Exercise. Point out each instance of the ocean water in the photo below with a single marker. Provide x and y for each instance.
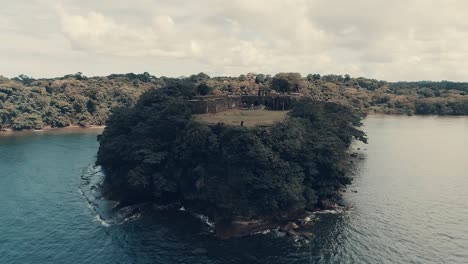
(409, 198)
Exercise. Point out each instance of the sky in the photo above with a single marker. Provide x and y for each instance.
(388, 40)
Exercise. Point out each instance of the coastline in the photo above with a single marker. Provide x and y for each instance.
(77, 128)
(52, 130)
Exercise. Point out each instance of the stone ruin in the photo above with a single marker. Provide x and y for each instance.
(214, 104)
(219, 103)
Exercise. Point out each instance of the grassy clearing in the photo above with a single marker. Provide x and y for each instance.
(250, 117)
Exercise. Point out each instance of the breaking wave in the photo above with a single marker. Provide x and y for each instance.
(104, 211)
(204, 219)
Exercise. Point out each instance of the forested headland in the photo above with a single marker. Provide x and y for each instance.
(28, 103)
(157, 152)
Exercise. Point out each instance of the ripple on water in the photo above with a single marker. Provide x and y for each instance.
(410, 207)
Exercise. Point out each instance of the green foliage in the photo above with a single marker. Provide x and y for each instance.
(30, 121)
(333, 78)
(204, 89)
(26, 103)
(24, 79)
(157, 152)
(286, 82)
(313, 77)
(260, 78)
(201, 77)
(79, 100)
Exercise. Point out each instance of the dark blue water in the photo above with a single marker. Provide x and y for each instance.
(411, 206)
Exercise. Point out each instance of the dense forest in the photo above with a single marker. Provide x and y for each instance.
(157, 152)
(28, 103)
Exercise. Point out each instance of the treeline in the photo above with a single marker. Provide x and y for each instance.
(28, 103)
(156, 152)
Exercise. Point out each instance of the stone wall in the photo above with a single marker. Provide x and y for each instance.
(220, 103)
(272, 102)
(214, 104)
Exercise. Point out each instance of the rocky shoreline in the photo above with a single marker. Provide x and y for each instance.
(293, 224)
(242, 228)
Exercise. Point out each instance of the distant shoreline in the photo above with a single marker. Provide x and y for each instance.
(377, 114)
(77, 128)
(53, 130)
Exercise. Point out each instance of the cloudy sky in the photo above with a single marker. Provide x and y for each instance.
(389, 40)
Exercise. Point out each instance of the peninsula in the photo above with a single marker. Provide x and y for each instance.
(257, 176)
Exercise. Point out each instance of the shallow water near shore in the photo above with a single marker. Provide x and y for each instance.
(409, 198)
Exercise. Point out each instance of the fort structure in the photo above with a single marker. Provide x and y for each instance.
(219, 103)
(214, 103)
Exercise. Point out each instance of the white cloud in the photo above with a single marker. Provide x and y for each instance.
(392, 40)
(96, 33)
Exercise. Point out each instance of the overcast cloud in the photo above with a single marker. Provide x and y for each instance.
(390, 40)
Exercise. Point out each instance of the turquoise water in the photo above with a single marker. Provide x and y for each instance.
(409, 198)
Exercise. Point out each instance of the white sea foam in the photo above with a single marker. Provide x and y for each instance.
(205, 220)
(131, 218)
(102, 221)
(89, 191)
(263, 232)
(279, 233)
(337, 211)
(97, 216)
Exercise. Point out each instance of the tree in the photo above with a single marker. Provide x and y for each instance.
(79, 76)
(313, 77)
(201, 77)
(24, 79)
(204, 89)
(146, 77)
(286, 82)
(156, 152)
(260, 78)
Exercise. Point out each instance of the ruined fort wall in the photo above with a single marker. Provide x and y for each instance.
(234, 102)
(214, 104)
(273, 102)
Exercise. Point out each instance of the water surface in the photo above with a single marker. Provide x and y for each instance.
(409, 197)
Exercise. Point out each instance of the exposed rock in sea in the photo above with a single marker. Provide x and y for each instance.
(239, 228)
(291, 229)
